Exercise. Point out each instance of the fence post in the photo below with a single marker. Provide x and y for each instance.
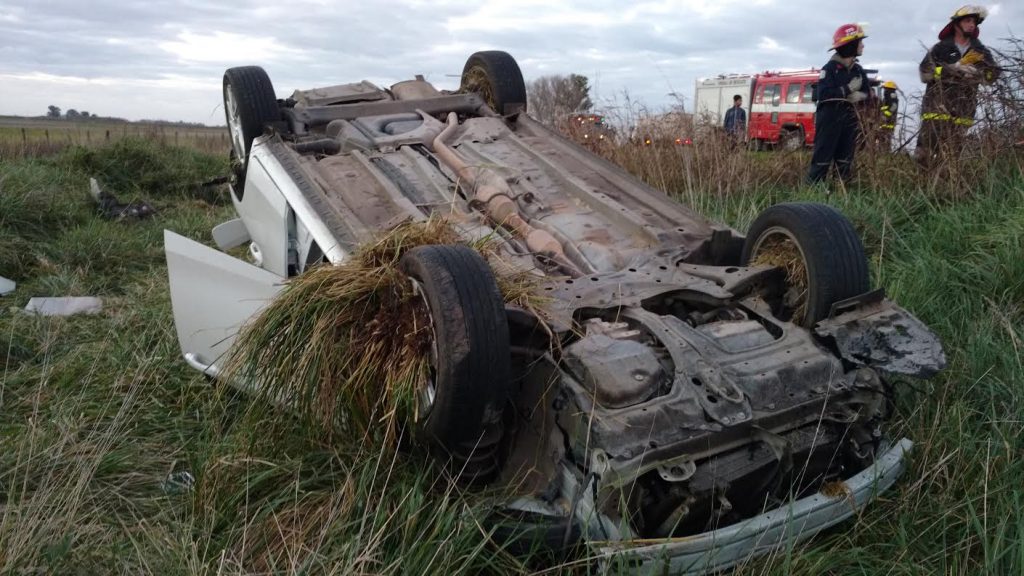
(24, 137)
(88, 136)
(175, 137)
(47, 135)
(108, 136)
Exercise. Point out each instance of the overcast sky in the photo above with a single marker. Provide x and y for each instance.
(165, 58)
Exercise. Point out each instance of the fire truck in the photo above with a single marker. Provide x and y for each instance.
(780, 105)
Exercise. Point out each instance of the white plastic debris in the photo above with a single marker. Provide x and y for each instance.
(65, 305)
(6, 286)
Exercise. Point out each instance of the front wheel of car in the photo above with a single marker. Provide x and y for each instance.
(820, 252)
(496, 77)
(460, 405)
(249, 105)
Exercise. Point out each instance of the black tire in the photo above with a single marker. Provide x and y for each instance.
(495, 75)
(830, 252)
(471, 357)
(248, 90)
(756, 145)
(792, 140)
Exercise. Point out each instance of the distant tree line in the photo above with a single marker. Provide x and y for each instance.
(73, 114)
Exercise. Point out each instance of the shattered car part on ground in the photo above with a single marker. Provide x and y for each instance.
(688, 391)
(64, 305)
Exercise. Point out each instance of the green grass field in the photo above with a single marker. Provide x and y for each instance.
(100, 417)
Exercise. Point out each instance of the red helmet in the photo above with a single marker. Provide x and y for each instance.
(847, 33)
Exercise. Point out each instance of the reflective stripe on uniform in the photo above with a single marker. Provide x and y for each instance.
(947, 118)
(938, 71)
(889, 126)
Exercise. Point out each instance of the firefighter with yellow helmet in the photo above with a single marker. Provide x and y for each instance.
(890, 105)
(842, 85)
(952, 70)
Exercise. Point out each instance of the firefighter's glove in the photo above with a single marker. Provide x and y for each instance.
(855, 84)
(972, 57)
(965, 72)
(857, 96)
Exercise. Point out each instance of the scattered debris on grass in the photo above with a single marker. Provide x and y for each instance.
(179, 482)
(64, 305)
(6, 286)
(111, 209)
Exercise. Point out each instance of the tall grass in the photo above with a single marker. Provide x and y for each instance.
(98, 413)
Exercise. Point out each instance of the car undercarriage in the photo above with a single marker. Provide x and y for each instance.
(676, 382)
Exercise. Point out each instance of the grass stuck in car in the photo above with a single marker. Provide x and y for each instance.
(348, 346)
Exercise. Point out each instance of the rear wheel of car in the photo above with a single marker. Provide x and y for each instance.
(460, 405)
(820, 251)
(495, 75)
(792, 139)
(249, 104)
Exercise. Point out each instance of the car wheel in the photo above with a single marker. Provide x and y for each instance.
(793, 140)
(820, 251)
(460, 405)
(249, 104)
(496, 77)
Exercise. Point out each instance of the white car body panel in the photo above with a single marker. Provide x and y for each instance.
(212, 295)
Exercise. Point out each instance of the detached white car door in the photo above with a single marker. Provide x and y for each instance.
(212, 295)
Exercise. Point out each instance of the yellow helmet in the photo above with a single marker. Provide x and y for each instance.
(979, 12)
(890, 85)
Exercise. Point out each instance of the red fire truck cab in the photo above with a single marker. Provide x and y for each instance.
(782, 109)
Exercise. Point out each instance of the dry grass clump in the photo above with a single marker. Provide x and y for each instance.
(783, 253)
(346, 346)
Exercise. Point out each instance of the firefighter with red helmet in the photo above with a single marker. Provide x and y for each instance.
(953, 69)
(841, 85)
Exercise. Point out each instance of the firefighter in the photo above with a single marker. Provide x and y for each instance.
(841, 85)
(890, 106)
(952, 70)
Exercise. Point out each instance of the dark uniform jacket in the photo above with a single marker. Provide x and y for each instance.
(832, 86)
(950, 96)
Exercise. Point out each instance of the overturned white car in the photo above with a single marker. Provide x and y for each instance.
(687, 404)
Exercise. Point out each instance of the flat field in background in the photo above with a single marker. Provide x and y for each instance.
(20, 136)
(102, 424)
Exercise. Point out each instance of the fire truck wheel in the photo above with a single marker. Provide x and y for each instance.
(820, 251)
(792, 139)
(756, 144)
(495, 75)
(460, 404)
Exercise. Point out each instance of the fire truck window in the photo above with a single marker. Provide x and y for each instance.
(776, 94)
(760, 95)
(808, 93)
(793, 93)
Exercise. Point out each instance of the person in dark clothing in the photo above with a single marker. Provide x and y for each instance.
(736, 119)
(841, 85)
(952, 70)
